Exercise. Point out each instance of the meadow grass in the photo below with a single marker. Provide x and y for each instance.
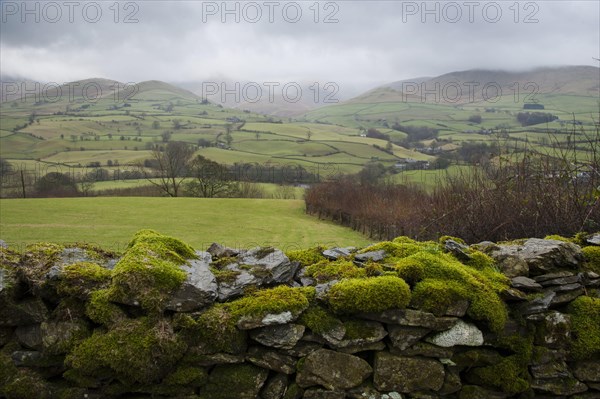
(110, 222)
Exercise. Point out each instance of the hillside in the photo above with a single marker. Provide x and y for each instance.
(99, 120)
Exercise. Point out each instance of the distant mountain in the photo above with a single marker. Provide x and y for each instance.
(475, 85)
(291, 100)
(92, 89)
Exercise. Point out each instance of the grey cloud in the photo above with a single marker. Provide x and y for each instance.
(370, 44)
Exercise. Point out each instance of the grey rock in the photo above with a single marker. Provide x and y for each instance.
(477, 392)
(257, 267)
(559, 386)
(369, 332)
(271, 360)
(478, 357)
(402, 338)
(588, 370)
(336, 253)
(30, 336)
(460, 251)
(321, 290)
(26, 358)
(554, 330)
(213, 359)
(363, 347)
(375, 256)
(244, 380)
(427, 350)
(280, 269)
(538, 305)
(565, 288)
(58, 336)
(458, 308)
(550, 370)
(513, 295)
(540, 256)
(452, 382)
(275, 387)
(366, 391)
(407, 374)
(284, 336)
(551, 276)
(252, 321)
(566, 297)
(525, 283)
(200, 287)
(315, 393)
(3, 244)
(593, 240)
(219, 251)
(231, 289)
(302, 348)
(561, 281)
(25, 312)
(461, 334)
(412, 318)
(37, 360)
(332, 370)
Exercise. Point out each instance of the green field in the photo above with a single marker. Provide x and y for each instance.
(110, 222)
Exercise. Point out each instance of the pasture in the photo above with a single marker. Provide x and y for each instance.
(110, 222)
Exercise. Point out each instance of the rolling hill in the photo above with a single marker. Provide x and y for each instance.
(114, 125)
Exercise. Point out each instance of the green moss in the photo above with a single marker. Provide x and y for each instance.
(359, 329)
(325, 271)
(143, 274)
(7, 369)
(79, 279)
(511, 374)
(37, 260)
(271, 301)
(319, 320)
(558, 238)
(293, 392)
(80, 380)
(443, 240)
(65, 337)
(225, 276)
(585, 327)
(480, 287)
(168, 247)
(306, 257)
(374, 294)
(263, 252)
(9, 259)
(506, 375)
(435, 296)
(373, 269)
(188, 376)
(101, 310)
(239, 378)
(215, 328)
(137, 351)
(592, 258)
(396, 249)
(26, 384)
(220, 263)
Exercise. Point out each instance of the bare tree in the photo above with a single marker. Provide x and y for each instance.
(210, 179)
(170, 165)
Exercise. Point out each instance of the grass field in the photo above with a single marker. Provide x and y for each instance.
(110, 222)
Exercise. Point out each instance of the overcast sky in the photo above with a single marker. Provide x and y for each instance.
(357, 44)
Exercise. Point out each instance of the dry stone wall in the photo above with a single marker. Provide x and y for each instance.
(399, 319)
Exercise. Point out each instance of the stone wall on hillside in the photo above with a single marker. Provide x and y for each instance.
(398, 319)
